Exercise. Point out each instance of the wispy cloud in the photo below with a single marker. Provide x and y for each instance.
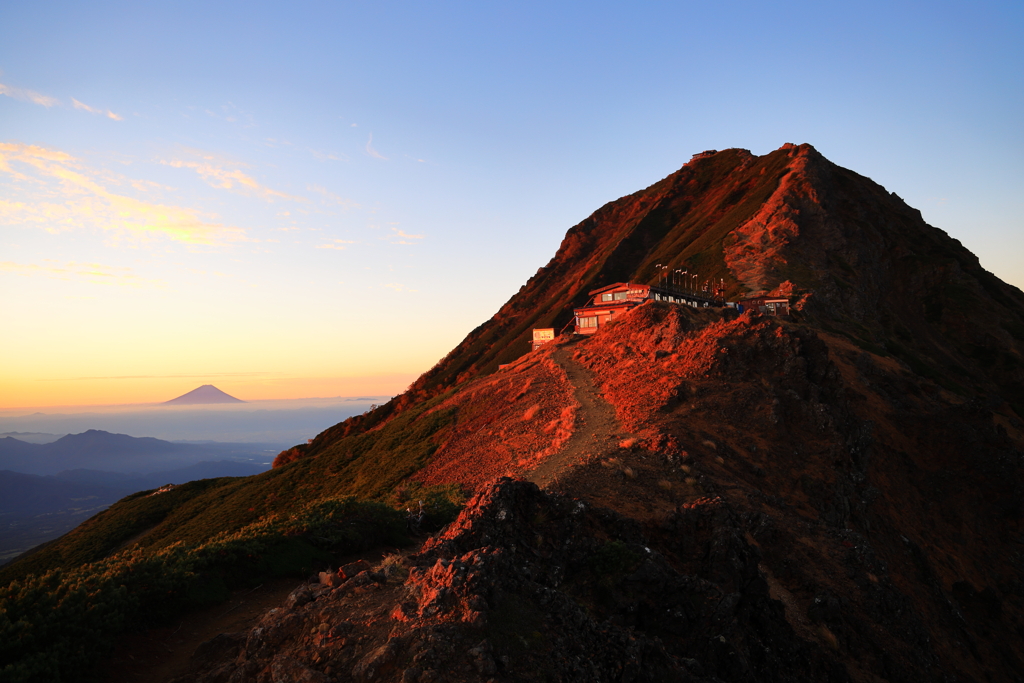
(372, 152)
(326, 156)
(232, 114)
(92, 110)
(401, 237)
(207, 374)
(95, 273)
(222, 177)
(331, 198)
(63, 194)
(336, 244)
(400, 288)
(28, 96)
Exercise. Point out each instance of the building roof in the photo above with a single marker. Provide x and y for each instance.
(608, 287)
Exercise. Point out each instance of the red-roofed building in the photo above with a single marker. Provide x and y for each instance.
(611, 302)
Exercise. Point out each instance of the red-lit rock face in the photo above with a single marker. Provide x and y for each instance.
(508, 423)
(531, 586)
(756, 250)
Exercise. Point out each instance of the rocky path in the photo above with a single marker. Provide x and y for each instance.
(597, 430)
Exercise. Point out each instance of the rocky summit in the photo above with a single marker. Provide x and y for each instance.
(688, 493)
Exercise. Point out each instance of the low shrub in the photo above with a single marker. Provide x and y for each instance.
(55, 626)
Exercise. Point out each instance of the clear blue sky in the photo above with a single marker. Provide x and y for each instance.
(314, 199)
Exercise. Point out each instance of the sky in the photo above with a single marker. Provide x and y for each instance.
(315, 199)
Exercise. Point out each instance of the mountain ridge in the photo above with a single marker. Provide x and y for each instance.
(778, 222)
(99, 449)
(836, 495)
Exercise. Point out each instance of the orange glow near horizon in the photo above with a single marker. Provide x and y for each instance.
(25, 394)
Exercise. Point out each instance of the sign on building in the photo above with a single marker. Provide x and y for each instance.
(542, 336)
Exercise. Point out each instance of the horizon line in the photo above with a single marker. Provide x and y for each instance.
(37, 408)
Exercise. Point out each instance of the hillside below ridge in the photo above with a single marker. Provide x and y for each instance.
(726, 497)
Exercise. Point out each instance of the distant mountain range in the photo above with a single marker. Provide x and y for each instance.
(48, 489)
(100, 450)
(30, 494)
(203, 395)
(32, 437)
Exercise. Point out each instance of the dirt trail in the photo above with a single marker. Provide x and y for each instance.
(597, 429)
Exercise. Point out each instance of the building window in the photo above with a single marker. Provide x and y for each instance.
(607, 296)
(620, 296)
(588, 322)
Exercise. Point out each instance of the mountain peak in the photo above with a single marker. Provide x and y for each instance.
(848, 254)
(831, 494)
(203, 395)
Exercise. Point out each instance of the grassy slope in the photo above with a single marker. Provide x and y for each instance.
(369, 466)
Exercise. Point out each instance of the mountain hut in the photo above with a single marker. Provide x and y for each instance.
(764, 305)
(609, 303)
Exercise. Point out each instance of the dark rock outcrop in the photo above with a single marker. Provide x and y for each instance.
(533, 586)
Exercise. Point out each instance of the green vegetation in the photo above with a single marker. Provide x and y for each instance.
(369, 466)
(442, 503)
(55, 626)
(925, 369)
(107, 531)
(154, 555)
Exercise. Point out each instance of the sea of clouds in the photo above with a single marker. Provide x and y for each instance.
(286, 422)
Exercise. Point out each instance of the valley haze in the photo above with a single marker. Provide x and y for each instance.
(268, 421)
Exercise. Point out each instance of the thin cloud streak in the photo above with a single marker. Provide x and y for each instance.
(402, 237)
(400, 288)
(92, 110)
(95, 273)
(234, 180)
(372, 152)
(336, 244)
(28, 96)
(202, 375)
(332, 198)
